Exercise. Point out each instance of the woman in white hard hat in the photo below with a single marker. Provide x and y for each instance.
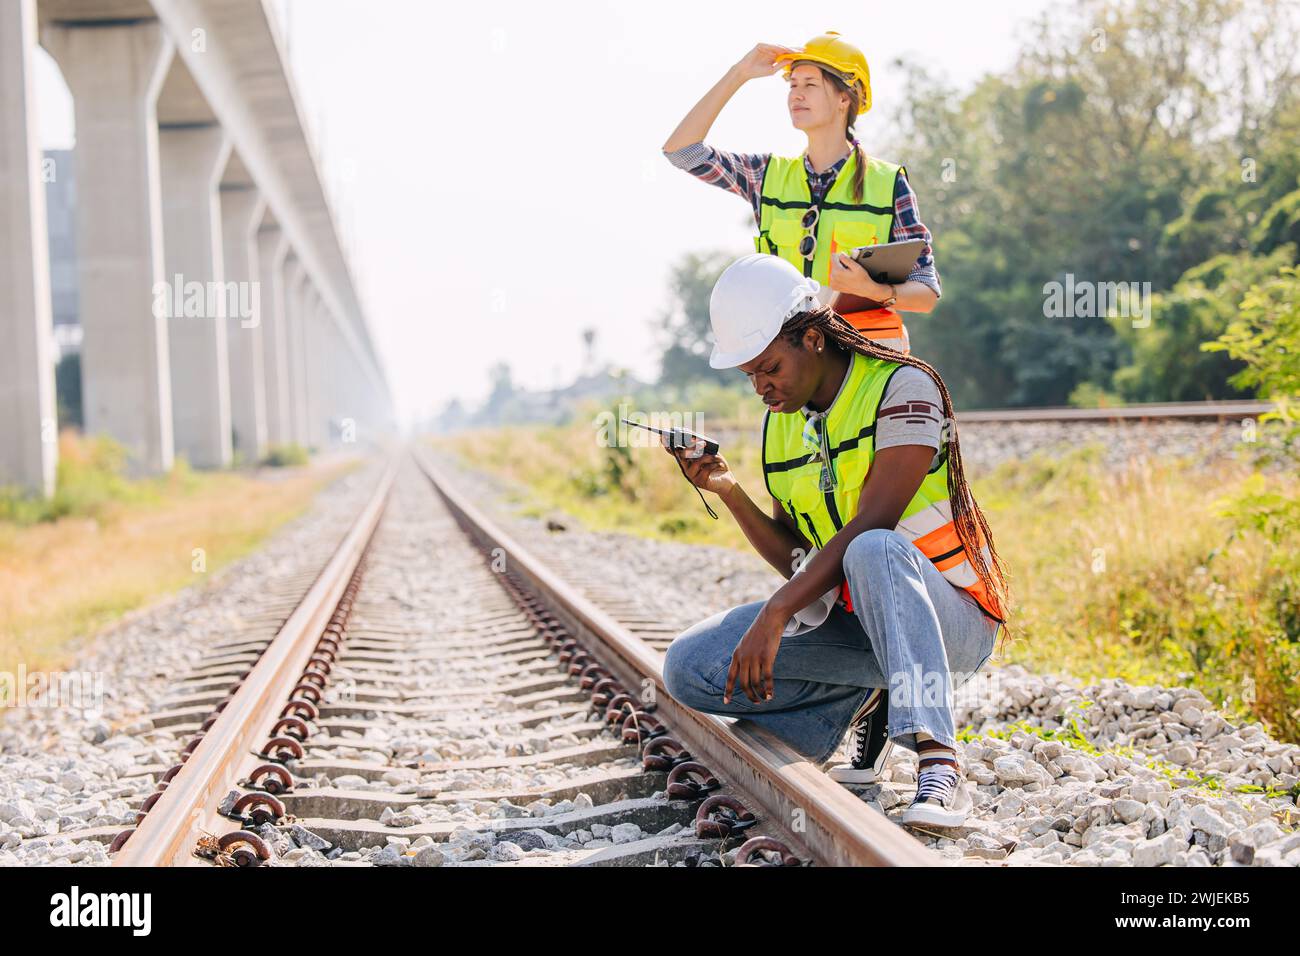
(813, 209)
(905, 590)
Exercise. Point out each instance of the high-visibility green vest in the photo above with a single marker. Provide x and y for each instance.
(792, 472)
(842, 224)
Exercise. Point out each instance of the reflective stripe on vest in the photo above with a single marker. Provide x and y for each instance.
(793, 472)
(842, 225)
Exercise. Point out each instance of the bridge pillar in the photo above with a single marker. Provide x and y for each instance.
(348, 380)
(241, 211)
(114, 72)
(29, 449)
(342, 409)
(295, 291)
(318, 378)
(272, 250)
(195, 292)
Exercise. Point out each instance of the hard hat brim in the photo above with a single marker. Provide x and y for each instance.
(719, 359)
(750, 303)
(790, 59)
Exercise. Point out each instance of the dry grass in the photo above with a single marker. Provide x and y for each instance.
(1133, 573)
(639, 490)
(73, 575)
(1138, 573)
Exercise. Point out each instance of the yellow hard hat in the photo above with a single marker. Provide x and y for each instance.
(841, 56)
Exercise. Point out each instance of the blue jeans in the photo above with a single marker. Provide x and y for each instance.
(911, 632)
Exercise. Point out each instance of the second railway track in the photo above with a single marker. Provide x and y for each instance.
(441, 697)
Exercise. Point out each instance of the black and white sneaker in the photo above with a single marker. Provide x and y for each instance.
(869, 742)
(941, 798)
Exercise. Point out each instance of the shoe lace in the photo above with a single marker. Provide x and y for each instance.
(936, 783)
(861, 730)
(860, 736)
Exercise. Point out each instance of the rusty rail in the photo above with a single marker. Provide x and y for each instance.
(187, 808)
(837, 827)
(1153, 411)
(1222, 411)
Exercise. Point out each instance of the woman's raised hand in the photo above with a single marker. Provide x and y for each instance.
(709, 472)
(761, 61)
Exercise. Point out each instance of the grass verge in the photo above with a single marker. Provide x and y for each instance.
(1140, 572)
(105, 544)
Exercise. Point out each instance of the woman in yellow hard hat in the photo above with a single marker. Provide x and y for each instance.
(812, 210)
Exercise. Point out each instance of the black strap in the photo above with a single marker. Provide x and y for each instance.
(707, 507)
(816, 200)
(834, 206)
(771, 467)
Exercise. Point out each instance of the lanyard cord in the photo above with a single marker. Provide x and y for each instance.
(707, 507)
(820, 439)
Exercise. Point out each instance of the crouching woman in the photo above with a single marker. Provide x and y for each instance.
(894, 585)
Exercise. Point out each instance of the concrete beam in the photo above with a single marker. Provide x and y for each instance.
(115, 73)
(241, 212)
(272, 250)
(241, 73)
(29, 450)
(195, 294)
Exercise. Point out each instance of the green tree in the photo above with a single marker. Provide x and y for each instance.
(1084, 160)
(1266, 339)
(686, 334)
(499, 406)
(1167, 361)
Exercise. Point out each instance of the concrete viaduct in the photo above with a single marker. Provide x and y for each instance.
(217, 308)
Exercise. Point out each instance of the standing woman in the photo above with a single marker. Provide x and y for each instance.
(812, 210)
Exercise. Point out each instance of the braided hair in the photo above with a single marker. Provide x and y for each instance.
(854, 93)
(972, 527)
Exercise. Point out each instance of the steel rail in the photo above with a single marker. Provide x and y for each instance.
(1150, 412)
(837, 827)
(1154, 411)
(188, 807)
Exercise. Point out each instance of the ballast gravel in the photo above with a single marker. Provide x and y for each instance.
(65, 768)
(1058, 773)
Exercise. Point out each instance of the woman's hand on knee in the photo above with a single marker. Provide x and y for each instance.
(754, 657)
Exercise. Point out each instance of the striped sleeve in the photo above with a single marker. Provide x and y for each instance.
(740, 173)
(908, 225)
(911, 412)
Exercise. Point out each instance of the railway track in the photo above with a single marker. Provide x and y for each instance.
(1152, 412)
(1129, 418)
(441, 696)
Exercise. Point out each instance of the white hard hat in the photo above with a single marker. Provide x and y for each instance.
(750, 302)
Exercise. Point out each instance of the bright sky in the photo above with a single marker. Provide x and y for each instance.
(497, 166)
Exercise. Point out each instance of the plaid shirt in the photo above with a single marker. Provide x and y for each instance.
(742, 174)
